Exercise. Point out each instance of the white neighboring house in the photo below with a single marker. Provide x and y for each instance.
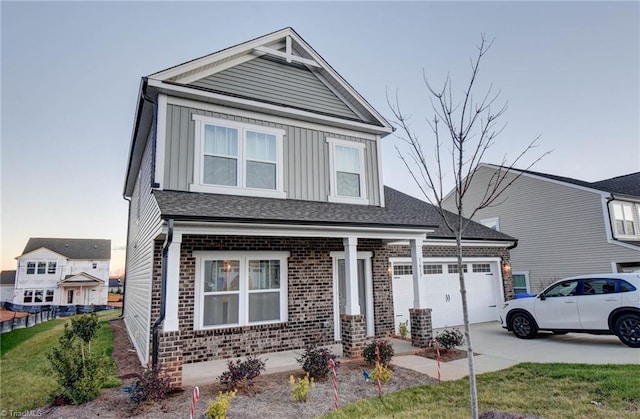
(7, 282)
(55, 271)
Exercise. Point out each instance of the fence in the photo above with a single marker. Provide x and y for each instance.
(28, 316)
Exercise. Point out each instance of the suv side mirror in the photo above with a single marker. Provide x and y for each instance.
(542, 297)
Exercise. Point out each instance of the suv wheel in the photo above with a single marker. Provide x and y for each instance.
(628, 330)
(523, 326)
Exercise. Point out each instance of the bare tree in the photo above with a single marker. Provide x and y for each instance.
(471, 127)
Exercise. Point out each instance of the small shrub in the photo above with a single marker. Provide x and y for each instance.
(300, 391)
(385, 374)
(404, 329)
(450, 338)
(217, 409)
(386, 352)
(153, 385)
(80, 373)
(315, 361)
(240, 374)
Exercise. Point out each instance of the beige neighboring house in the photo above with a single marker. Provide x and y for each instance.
(564, 226)
(59, 271)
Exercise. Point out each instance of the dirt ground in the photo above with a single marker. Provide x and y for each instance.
(271, 399)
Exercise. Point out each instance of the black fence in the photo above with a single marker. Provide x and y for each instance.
(42, 313)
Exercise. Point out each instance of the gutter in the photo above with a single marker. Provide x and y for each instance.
(126, 256)
(163, 293)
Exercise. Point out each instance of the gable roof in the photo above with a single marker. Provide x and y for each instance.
(8, 278)
(400, 211)
(89, 249)
(625, 184)
(285, 46)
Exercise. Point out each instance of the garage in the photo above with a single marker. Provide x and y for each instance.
(484, 290)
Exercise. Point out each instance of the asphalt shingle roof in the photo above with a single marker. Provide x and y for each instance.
(7, 278)
(400, 211)
(90, 249)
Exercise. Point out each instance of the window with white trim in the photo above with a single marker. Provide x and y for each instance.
(432, 269)
(452, 268)
(38, 296)
(347, 175)
(623, 218)
(521, 282)
(48, 298)
(402, 269)
(51, 268)
(481, 267)
(493, 223)
(28, 296)
(240, 288)
(42, 268)
(31, 268)
(237, 158)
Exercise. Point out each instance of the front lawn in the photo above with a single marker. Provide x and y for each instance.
(26, 382)
(544, 390)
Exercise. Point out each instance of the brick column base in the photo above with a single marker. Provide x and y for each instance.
(421, 327)
(353, 330)
(170, 356)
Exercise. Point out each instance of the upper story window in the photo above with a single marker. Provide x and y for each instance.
(94, 265)
(51, 267)
(42, 268)
(347, 172)
(624, 220)
(493, 223)
(237, 158)
(31, 268)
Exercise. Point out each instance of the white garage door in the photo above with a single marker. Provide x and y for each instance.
(443, 291)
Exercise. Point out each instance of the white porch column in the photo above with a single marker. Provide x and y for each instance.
(419, 288)
(173, 285)
(352, 306)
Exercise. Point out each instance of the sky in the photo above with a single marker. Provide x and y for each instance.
(70, 74)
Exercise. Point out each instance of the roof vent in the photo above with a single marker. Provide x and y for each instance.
(95, 246)
(66, 245)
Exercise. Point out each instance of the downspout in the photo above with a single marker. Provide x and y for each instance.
(163, 293)
(126, 255)
(609, 199)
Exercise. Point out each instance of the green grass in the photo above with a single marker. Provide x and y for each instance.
(25, 380)
(545, 390)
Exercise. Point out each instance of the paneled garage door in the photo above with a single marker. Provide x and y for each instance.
(482, 279)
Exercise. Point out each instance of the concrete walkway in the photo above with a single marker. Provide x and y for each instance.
(496, 348)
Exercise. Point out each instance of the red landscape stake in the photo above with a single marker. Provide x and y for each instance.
(194, 399)
(435, 343)
(378, 370)
(332, 364)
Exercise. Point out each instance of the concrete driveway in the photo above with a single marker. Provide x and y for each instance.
(497, 349)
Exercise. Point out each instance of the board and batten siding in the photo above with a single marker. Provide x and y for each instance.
(278, 82)
(144, 226)
(561, 230)
(306, 156)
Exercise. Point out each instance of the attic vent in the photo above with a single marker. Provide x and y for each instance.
(66, 245)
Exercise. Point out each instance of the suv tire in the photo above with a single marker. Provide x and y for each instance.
(523, 326)
(628, 330)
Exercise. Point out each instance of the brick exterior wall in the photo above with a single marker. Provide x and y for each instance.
(421, 327)
(353, 330)
(310, 296)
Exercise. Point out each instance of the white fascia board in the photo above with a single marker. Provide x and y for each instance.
(348, 131)
(43, 248)
(452, 242)
(293, 230)
(220, 55)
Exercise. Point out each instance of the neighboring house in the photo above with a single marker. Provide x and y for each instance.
(257, 210)
(7, 283)
(564, 226)
(114, 285)
(56, 271)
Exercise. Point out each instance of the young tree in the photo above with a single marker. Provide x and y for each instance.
(471, 127)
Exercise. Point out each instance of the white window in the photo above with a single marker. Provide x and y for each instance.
(521, 282)
(347, 172)
(42, 266)
(31, 268)
(240, 288)
(94, 265)
(28, 296)
(453, 268)
(402, 269)
(432, 269)
(493, 223)
(237, 158)
(481, 267)
(51, 268)
(49, 296)
(623, 219)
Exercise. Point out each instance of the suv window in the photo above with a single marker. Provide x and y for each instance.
(598, 286)
(626, 287)
(562, 289)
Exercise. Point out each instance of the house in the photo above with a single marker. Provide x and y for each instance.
(61, 271)
(564, 226)
(114, 285)
(7, 283)
(259, 221)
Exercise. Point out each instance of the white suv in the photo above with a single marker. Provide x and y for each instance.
(602, 304)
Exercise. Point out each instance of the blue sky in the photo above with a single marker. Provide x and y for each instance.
(70, 76)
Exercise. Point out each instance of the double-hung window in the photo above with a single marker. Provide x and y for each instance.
(347, 172)
(42, 267)
(31, 268)
(623, 217)
(237, 158)
(240, 288)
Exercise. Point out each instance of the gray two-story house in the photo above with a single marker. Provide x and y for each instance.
(258, 221)
(564, 226)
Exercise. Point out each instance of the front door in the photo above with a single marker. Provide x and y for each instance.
(70, 296)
